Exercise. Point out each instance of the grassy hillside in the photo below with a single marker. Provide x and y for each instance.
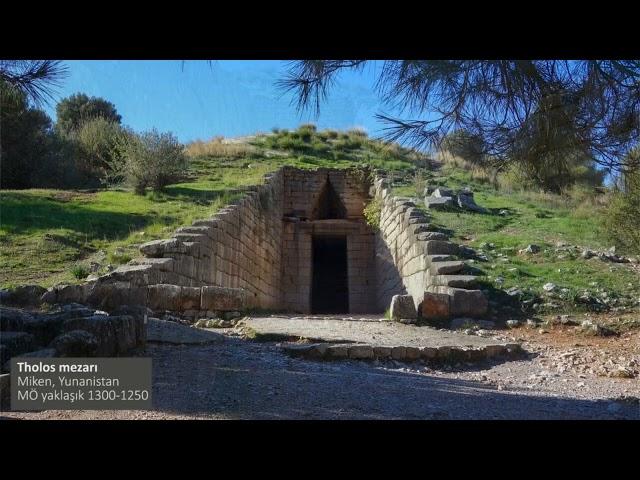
(562, 226)
(54, 236)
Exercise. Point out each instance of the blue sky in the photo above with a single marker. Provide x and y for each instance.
(196, 100)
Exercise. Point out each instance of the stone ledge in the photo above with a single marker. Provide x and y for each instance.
(359, 351)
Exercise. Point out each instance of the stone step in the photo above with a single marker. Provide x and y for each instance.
(443, 354)
(423, 228)
(455, 281)
(432, 236)
(446, 267)
(461, 302)
(440, 247)
(195, 229)
(438, 258)
(190, 237)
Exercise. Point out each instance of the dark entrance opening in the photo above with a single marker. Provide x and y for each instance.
(330, 287)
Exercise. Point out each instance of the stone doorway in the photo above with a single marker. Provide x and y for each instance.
(330, 282)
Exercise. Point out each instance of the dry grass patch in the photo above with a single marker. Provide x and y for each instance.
(218, 147)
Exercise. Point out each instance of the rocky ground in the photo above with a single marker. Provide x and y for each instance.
(564, 376)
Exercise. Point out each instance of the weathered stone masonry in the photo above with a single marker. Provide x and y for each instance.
(303, 220)
(258, 253)
(412, 258)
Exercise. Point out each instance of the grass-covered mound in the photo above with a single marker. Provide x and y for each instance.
(61, 236)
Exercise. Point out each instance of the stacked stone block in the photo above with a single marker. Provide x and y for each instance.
(412, 258)
(259, 250)
(301, 194)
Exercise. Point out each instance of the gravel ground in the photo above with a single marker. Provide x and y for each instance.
(371, 330)
(240, 379)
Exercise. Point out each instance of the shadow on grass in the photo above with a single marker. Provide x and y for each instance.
(198, 197)
(26, 214)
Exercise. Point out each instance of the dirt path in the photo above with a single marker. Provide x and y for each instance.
(240, 379)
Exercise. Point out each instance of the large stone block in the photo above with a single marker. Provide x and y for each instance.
(137, 275)
(224, 299)
(457, 281)
(440, 247)
(446, 267)
(438, 203)
(465, 200)
(360, 352)
(65, 294)
(164, 297)
(22, 295)
(162, 264)
(157, 248)
(116, 335)
(403, 307)
(15, 343)
(45, 328)
(442, 192)
(190, 298)
(109, 295)
(13, 319)
(435, 306)
(464, 302)
(426, 235)
(76, 343)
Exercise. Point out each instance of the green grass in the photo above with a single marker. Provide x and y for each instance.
(44, 235)
(51, 236)
(533, 218)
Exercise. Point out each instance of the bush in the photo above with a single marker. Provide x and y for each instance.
(153, 160)
(98, 153)
(465, 145)
(79, 108)
(332, 134)
(372, 213)
(349, 143)
(307, 131)
(79, 271)
(357, 132)
(622, 219)
(216, 147)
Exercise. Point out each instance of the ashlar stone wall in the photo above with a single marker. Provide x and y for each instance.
(303, 195)
(413, 258)
(258, 252)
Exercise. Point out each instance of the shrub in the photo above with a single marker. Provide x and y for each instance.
(216, 147)
(119, 257)
(79, 271)
(357, 132)
(307, 131)
(98, 153)
(152, 159)
(333, 134)
(464, 145)
(371, 213)
(622, 219)
(349, 143)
